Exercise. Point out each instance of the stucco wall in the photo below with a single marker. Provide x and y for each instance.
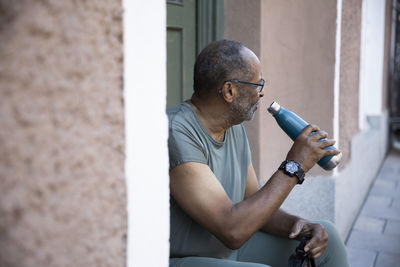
(237, 12)
(298, 55)
(249, 34)
(297, 50)
(349, 76)
(62, 193)
(353, 182)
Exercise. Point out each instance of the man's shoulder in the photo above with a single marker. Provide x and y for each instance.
(180, 115)
(172, 111)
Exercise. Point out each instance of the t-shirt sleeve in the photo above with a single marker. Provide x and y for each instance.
(183, 147)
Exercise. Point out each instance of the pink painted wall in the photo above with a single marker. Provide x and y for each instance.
(349, 76)
(296, 46)
(249, 34)
(298, 56)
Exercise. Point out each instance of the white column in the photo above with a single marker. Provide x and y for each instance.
(336, 87)
(372, 53)
(146, 132)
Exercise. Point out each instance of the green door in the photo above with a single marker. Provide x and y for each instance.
(181, 49)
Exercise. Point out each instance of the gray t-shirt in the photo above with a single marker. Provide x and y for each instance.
(189, 141)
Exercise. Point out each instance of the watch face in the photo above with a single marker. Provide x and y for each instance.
(291, 167)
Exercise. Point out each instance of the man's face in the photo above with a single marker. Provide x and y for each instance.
(246, 104)
(244, 108)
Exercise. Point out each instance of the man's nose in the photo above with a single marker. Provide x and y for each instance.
(261, 94)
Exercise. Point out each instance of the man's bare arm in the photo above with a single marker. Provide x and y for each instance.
(280, 223)
(199, 193)
(201, 196)
(286, 225)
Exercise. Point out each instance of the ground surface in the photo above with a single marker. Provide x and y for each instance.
(374, 240)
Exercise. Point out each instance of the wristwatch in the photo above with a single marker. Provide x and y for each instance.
(292, 168)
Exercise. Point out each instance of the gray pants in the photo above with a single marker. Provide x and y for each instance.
(265, 250)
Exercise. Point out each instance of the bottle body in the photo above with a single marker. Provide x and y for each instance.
(292, 125)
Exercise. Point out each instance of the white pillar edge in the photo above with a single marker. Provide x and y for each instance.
(361, 118)
(146, 133)
(371, 60)
(336, 86)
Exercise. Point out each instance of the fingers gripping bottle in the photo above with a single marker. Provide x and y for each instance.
(293, 125)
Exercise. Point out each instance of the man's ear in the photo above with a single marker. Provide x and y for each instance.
(229, 92)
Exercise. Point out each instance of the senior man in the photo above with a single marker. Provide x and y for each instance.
(219, 216)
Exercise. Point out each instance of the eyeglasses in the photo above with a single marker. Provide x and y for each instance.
(260, 85)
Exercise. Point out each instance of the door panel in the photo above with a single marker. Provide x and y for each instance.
(174, 67)
(181, 49)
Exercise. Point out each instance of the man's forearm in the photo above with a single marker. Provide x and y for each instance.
(281, 224)
(252, 214)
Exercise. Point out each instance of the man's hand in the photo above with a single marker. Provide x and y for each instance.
(308, 150)
(318, 238)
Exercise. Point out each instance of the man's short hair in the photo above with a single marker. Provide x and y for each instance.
(218, 62)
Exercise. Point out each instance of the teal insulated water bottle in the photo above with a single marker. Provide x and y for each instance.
(293, 125)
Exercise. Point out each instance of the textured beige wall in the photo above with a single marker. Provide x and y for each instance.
(298, 54)
(62, 193)
(243, 23)
(296, 46)
(349, 76)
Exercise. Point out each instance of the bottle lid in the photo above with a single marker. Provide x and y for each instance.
(273, 108)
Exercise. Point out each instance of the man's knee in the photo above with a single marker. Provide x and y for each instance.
(331, 230)
(335, 252)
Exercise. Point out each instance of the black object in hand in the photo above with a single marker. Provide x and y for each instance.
(300, 258)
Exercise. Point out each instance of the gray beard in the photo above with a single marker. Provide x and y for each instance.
(242, 110)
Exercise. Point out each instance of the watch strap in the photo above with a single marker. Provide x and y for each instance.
(299, 173)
